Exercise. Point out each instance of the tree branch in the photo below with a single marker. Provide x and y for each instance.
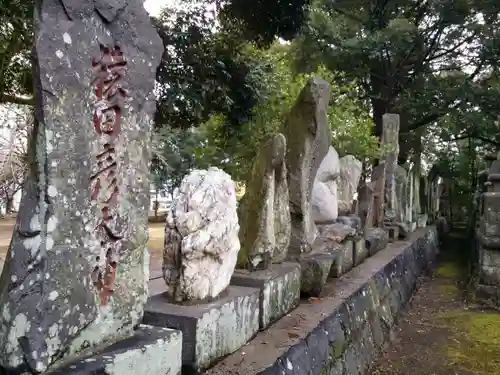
(6, 98)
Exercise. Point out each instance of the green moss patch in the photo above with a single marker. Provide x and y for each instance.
(475, 343)
(449, 270)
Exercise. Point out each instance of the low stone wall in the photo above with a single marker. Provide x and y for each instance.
(342, 333)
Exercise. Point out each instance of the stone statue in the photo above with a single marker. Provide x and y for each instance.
(350, 173)
(201, 237)
(324, 199)
(76, 272)
(264, 210)
(308, 137)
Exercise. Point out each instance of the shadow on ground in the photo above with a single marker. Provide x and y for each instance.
(443, 332)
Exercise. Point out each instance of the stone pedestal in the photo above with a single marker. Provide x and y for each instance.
(315, 269)
(422, 220)
(151, 351)
(279, 289)
(345, 260)
(360, 252)
(376, 239)
(393, 232)
(209, 330)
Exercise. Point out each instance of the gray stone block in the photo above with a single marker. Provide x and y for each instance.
(151, 351)
(360, 251)
(393, 232)
(315, 269)
(376, 239)
(210, 330)
(279, 289)
(345, 259)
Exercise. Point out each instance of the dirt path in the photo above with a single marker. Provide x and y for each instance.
(441, 335)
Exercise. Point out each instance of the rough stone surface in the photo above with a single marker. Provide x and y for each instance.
(376, 239)
(151, 350)
(360, 250)
(76, 272)
(308, 138)
(279, 289)
(201, 237)
(344, 261)
(324, 198)
(353, 221)
(264, 210)
(209, 330)
(335, 232)
(350, 172)
(315, 271)
(344, 331)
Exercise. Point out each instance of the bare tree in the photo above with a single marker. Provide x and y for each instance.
(15, 125)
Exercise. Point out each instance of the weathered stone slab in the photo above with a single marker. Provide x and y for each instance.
(376, 239)
(422, 220)
(151, 351)
(209, 330)
(308, 136)
(315, 270)
(344, 262)
(76, 273)
(360, 251)
(279, 289)
(264, 211)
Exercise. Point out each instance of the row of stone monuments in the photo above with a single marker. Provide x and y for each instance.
(74, 288)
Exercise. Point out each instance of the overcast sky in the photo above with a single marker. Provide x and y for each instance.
(155, 6)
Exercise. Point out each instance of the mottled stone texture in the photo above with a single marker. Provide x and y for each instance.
(350, 173)
(355, 330)
(308, 138)
(324, 197)
(264, 210)
(389, 142)
(488, 235)
(201, 237)
(84, 210)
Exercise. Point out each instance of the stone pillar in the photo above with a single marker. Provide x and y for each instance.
(389, 141)
(308, 138)
(488, 237)
(77, 269)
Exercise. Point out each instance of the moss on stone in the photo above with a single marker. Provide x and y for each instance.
(449, 270)
(477, 340)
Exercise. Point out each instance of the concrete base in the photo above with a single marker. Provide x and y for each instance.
(315, 269)
(360, 251)
(209, 330)
(422, 220)
(344, 261)
(393, 232)
(151, 351)
(279, 289)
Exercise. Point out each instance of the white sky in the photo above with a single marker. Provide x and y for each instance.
(154, 7)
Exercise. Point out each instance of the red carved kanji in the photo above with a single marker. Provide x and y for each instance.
(109, 70)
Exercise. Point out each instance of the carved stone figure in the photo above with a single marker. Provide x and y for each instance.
(201, 237)
(264, 210)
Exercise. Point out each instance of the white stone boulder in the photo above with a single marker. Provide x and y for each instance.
(201, 237)
(324, 199)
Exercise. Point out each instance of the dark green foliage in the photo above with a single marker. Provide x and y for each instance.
(203, 73)
(263, 20)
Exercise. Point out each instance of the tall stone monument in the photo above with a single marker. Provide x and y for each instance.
(308, 137)
(389, 141)
(264, 211)
(488, 237)
(76, 273)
